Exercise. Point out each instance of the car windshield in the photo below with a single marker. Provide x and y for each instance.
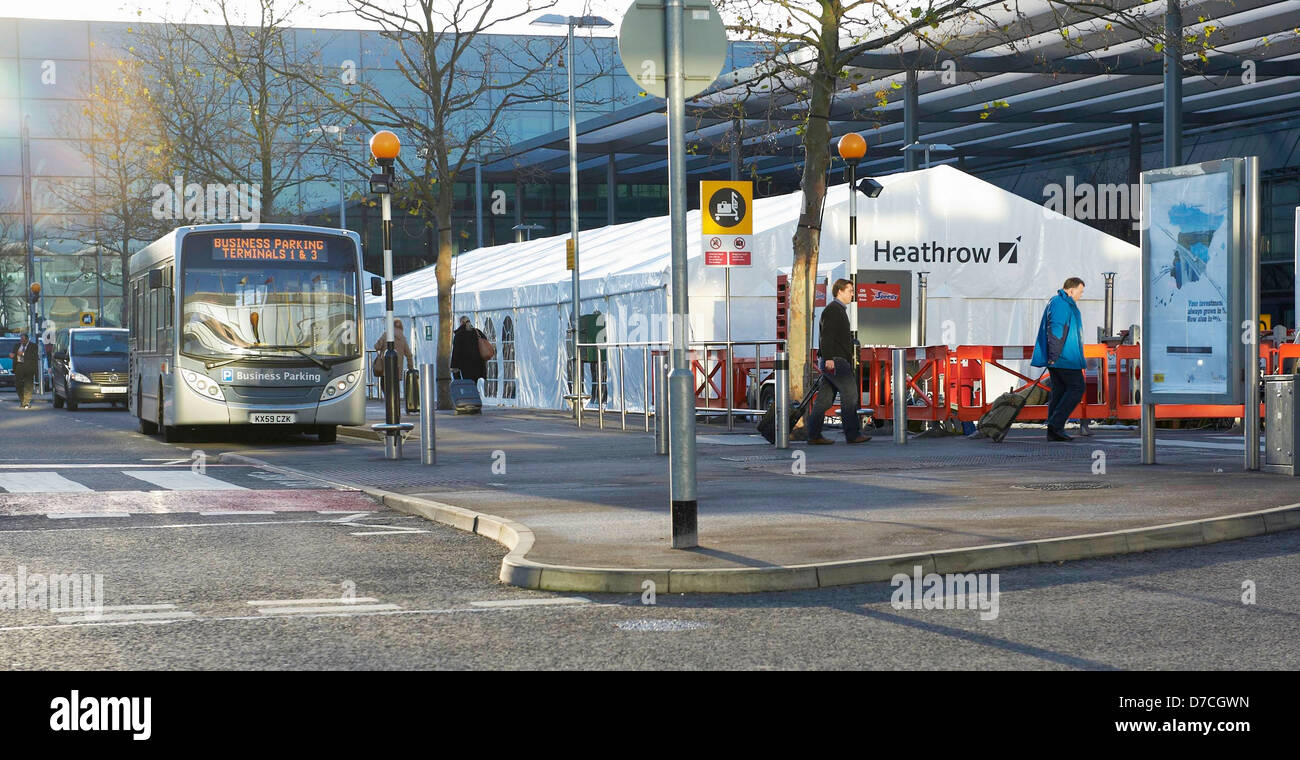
(7, 345)
(280, 308)
(91, 343)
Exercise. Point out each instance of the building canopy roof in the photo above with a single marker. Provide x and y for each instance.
(1051, 84)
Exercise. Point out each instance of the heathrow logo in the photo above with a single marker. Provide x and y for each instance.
(938, 252)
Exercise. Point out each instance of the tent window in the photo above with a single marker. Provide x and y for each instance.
(508, 385)
(490, 384)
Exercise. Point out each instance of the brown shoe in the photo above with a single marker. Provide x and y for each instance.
(860, 439)
(823, 441)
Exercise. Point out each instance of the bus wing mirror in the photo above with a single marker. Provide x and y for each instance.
(376, 286)
(155, 279)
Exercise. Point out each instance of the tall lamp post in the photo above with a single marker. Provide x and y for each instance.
(852, 148)
(384, 146)
(574, 22)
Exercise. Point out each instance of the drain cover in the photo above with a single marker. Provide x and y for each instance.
(1073, 485)
(659, 625)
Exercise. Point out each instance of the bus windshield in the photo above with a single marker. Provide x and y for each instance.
(269, 294)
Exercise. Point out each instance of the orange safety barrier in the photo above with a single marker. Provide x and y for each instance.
(954, 384)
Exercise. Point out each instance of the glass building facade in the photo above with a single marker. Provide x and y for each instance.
(47, 66)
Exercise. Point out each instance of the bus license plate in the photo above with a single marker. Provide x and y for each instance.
(274, 419)
(112, 389)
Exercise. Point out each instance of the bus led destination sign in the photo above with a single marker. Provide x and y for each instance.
(268, 248)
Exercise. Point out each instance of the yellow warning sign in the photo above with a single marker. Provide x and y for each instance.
(87, 319)
(727, 207)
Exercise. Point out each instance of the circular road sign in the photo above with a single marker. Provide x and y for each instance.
(641, 45)
(726, 207)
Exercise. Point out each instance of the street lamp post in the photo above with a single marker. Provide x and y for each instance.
(384, 146)
(852, 148)
(573, 22)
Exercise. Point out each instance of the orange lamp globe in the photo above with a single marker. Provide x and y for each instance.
(852, 147)
(385, 145)
(36, 288)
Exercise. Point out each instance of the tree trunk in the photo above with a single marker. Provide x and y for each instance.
(442, 269)
(807, 236)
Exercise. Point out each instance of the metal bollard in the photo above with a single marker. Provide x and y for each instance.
(898, 387)
(661, 406)
(781, 400)
(428, 405)
(392, 446)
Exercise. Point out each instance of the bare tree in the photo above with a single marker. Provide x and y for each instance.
(457, 81)
(117, 132)
(229, 96)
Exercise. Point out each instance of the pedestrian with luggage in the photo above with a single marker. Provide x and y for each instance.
(27, 362)
(1059, 348)
(404, 358)
(465, 353)
(838, 375)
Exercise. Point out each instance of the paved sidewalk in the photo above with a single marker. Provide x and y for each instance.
(588, 510)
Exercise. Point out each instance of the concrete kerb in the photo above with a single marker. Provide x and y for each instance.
(518, 539)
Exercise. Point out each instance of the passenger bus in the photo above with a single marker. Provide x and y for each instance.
(247, 325)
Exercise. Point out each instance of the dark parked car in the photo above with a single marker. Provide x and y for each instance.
(90, 366)
(7, 344)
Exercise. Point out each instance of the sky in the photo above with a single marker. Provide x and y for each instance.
(315, 13)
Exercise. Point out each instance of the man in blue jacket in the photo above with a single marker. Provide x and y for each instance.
(1059, 348)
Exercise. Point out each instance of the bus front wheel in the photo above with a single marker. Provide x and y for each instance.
(146, 427)
(327, 433)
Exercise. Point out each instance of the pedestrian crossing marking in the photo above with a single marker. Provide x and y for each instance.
(183, 480)
(39, 482)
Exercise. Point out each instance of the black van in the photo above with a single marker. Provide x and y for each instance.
(90, 365)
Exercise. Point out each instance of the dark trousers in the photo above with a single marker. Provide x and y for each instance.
(1067, 391)
(843, 381)
(23, 385)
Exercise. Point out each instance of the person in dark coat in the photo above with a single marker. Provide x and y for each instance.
(27, 363)
(838, 375)
(464, 351)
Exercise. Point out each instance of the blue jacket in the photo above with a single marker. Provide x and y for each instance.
(1060, 335)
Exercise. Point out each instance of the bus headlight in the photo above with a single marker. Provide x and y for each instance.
(340, 386)
(203, 385)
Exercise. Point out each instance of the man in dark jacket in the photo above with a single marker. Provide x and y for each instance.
(837, 370)
(1059, 348)
(27, 363)
(464, 351)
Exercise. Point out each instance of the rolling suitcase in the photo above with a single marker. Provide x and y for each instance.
(464, 395)
(767, 425)
(411, 383)
(997, 420)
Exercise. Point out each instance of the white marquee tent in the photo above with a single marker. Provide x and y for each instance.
(520, 293)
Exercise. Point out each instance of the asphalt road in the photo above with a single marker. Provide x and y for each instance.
(294, 575)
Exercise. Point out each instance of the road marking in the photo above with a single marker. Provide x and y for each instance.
(387, 532)
(129, 616)
(340, 612)
(532, 602)
(39, 482)
(184, 480)
(47, 466)
(352, 516)
(342, 609)
(239, 512)
(163, 526)
(85, 515)
(332, 600)
(118, 608)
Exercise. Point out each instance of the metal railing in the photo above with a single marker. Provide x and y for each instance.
(707, 359)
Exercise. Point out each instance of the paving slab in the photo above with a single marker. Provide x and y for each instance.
(597, 500)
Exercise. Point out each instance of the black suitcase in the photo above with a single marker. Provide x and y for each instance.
(411, 381)
(767, 425)
(464, 395)
(997, 420)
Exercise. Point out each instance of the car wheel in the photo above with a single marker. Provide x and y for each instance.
(72, 403)
(58, 401)
(327, 433)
